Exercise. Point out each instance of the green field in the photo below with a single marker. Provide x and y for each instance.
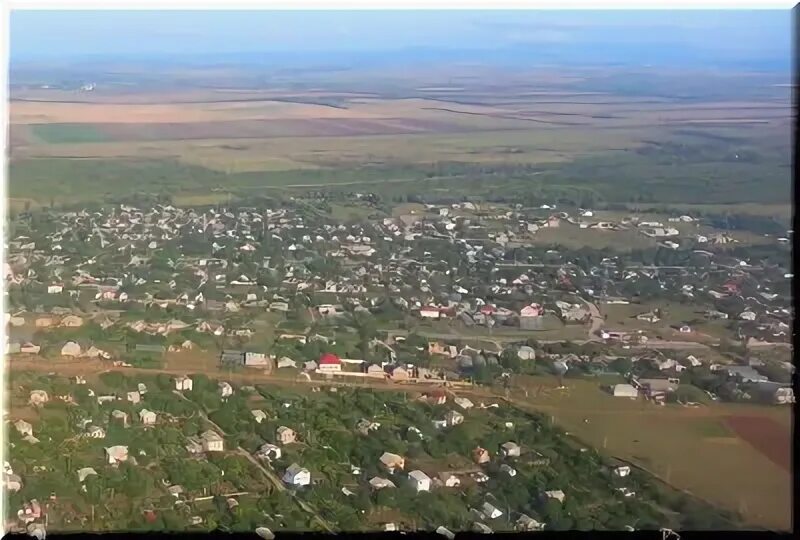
(67, 133)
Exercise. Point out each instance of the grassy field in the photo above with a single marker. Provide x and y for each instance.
(573, 237)
(67, 133)
(690, 448)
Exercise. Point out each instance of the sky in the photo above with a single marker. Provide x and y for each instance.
(705, 34)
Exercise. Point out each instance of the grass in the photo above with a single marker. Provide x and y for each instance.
(205, 199)
(340, 212)
(67, 133)
(688, 447)
(622, 317)
(573, 237)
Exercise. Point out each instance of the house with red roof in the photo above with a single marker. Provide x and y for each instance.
(329, 363)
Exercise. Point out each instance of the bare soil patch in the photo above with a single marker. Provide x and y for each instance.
(765, 435)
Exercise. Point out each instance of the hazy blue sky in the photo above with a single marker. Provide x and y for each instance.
(762, 34)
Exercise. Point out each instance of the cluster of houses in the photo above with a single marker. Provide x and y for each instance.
(208, 266)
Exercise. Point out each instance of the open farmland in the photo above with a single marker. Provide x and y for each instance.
(690, 448)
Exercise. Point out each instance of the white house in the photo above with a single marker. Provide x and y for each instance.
(392, 462)
(71, 348)
(183, 383)
(296, 475)
(85, 473)
(625, 390)
(420, 481)
(23, 427)
(212, 442)
(148, 418)
(449, 479)
(225, 389)
(286, 435)
(269, 452)
(490, 511)
(464, 403)
(622, 471)
(117, 454)
(258, 415)
(380, 483)
(429, 312)
(510, 449)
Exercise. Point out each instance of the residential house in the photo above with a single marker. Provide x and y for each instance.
(419, 481)
(374, 370)
(526, 353)
(527, 523)
(622, 471)
(480, 455)
(23, 427)
(85, 473)
(449, 479)
(183, 383)
(225, 389)
(453, 418)
(71, 349)
(12, 482)
(296, 475)
(774, 392)
(253, 359)
(117, 454)
(120, 416)
(269, 452)
(212, 442)
(650, 317)
(286, 435)
(653, 386)
(392, 462)
(399, 373)
(624, 390)
(38, 398)
(380, 483)
(556, 494)
(134, 397)
(530, 317)
(464, 403)
(147, 418)
(437, 397)
(232, 358)
(258, 415)
(29, 348)
(329, 363)
(510, 449)
(490, 511)
(285, 362)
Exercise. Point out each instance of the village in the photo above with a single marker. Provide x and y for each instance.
(172, 306)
